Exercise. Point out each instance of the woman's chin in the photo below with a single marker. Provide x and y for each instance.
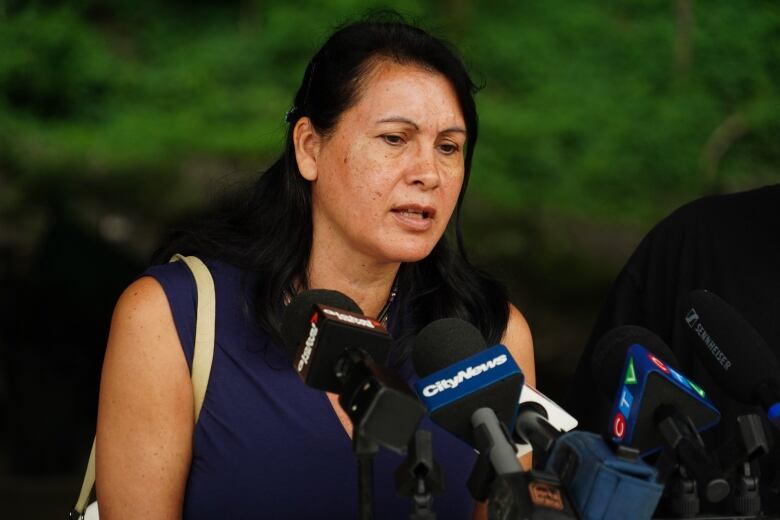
(410, 254)
(404, 248)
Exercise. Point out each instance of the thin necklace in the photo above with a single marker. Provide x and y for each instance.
(384, 315)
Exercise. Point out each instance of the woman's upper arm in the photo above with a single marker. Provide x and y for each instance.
(517, 338)
(145, 413)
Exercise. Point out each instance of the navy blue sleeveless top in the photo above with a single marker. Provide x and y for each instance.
(268, 446)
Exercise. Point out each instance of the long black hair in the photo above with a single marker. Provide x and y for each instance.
(255, 234)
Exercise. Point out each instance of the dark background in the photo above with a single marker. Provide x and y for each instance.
(118, 118)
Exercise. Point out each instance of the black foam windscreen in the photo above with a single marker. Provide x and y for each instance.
(295, 322)
(444, 342)
(731, 349)
(447, 342)
(609, 354)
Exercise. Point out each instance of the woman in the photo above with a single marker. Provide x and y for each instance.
(376, 160)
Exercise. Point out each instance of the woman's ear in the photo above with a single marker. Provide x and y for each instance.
(307, 148)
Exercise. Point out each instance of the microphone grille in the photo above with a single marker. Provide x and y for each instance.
(610, 353)
(444, 342)
(731, 349)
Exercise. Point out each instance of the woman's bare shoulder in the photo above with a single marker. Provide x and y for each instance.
(145, 412)
(143, 344)
(144, 295)
(517, 338)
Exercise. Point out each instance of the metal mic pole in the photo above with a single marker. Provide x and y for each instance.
(365, 450)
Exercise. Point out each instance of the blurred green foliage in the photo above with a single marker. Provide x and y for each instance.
(611, 111)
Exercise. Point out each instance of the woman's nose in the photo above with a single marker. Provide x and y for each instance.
(424, 172)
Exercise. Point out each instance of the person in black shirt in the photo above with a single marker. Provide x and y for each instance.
(728, 244)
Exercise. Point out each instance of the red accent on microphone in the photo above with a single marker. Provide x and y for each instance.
(659, 363)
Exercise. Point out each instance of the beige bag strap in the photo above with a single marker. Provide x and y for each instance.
(86, 485)
(202, 357)
(205, 328)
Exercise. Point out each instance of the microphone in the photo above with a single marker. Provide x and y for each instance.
(461, 335)
(336, 348)
(471, 391)
(627, 364)
(602, 481)
(732, 351)
(558, 418)
(532, 427)
(655, 406)
(318, 325)
(459, 376)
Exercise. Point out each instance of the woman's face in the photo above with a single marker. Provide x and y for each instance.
(386, 180)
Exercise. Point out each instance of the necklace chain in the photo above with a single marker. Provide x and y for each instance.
(383, 316)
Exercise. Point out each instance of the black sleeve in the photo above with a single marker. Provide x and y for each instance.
(624, 305)
(637, 297)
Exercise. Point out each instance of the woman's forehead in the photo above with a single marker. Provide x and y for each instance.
(407, 91)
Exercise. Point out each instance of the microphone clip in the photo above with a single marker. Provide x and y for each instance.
(420, 477)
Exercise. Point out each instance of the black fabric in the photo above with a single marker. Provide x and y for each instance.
(729, 244)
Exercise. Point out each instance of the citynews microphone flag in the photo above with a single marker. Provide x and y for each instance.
(466, 377)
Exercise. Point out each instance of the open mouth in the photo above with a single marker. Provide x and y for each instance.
(413, 213)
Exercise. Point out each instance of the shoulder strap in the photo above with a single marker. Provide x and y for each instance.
(202, 358)
(205, 317)
(86, 486)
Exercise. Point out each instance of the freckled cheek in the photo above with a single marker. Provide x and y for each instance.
(367, 180)
(451, 196)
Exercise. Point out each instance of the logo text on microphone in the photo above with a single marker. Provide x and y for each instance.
(348, 318)
(463, 375)
(692, 318)
(307, 347)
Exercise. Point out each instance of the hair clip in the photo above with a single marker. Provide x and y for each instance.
(291, 114)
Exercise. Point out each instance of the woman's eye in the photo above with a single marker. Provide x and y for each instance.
(392, 139)
(448, 148)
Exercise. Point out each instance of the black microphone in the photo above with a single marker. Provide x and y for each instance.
(336, 348)
(533, 427)
(656, 406)
(609, 355)
(732, 351)
(642, 383)
(318, 325)
(472, 392)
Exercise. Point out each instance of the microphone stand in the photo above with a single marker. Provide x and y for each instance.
(498, 477)
(687, 447)
(747, 500)
(365, 450)
(371, 396)
(419, 477)
(753, 444)
(681, 495)
(682, 500)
